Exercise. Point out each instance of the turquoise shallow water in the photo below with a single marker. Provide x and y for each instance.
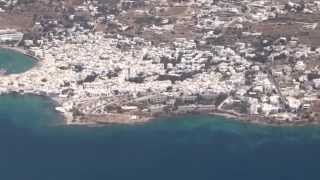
(14, 62)
(34, 146)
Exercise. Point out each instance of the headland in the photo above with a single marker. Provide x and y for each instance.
(130, 62)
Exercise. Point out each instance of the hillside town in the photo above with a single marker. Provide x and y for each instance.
(129, 61)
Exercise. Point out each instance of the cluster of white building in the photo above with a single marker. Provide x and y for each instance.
(88, 71)
(4, 4)
(10, 36)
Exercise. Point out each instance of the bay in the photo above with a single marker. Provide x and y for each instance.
(34, 145)
(14, 62)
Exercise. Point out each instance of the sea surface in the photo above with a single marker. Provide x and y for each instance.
(35, 145)
(14, 62)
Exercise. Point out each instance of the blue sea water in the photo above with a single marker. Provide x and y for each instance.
(14, 62)
(34, 145)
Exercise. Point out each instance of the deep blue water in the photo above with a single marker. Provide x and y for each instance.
(35, 146)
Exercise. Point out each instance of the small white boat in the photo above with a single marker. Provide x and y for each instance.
(3, 72)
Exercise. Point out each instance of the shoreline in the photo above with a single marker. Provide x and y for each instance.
(132, 118)
(21, 51)
(92, 120)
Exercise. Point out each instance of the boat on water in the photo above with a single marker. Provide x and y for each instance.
(3, 72)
